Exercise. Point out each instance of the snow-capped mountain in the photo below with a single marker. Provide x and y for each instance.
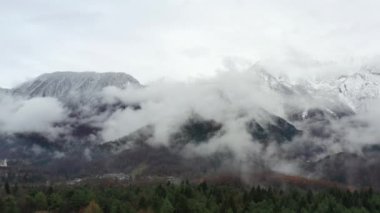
(312, 129)
(323, 95)
(347, 92)
(357, 89)
(70, 87)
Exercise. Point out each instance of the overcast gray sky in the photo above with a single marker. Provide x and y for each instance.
(180, 39)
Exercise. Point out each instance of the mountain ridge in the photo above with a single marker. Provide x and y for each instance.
(350, 90)
(69, 86)
(269, 140)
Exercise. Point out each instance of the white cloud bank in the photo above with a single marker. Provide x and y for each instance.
(166, 105)
(32, 115)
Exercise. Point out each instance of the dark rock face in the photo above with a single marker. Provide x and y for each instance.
(317, 114)
(196, 130)
(27, 146)
(279, 131)
(316, 122)
(349, 169)
(257, 131)
(140, 136)
(371, 149)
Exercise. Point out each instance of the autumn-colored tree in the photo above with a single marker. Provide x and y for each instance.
(92, 207)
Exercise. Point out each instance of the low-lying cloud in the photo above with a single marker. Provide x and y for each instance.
(233, 99)
(167, 105)
(30, 115)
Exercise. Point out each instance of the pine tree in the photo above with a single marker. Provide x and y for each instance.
(55, 201)
(143, 203)
(15, 188)
(7, 188)
(79, 198)
(203, 186)
(40, 201)
(10, 205)
(166, 207)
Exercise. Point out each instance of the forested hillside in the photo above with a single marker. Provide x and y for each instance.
(183, 198)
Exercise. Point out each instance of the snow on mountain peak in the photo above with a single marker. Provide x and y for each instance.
(353, 90)
(67, 86)
(359, 87)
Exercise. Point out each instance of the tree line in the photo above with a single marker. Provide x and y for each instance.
(182, 198)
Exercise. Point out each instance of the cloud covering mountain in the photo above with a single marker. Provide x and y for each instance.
(246, 117)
